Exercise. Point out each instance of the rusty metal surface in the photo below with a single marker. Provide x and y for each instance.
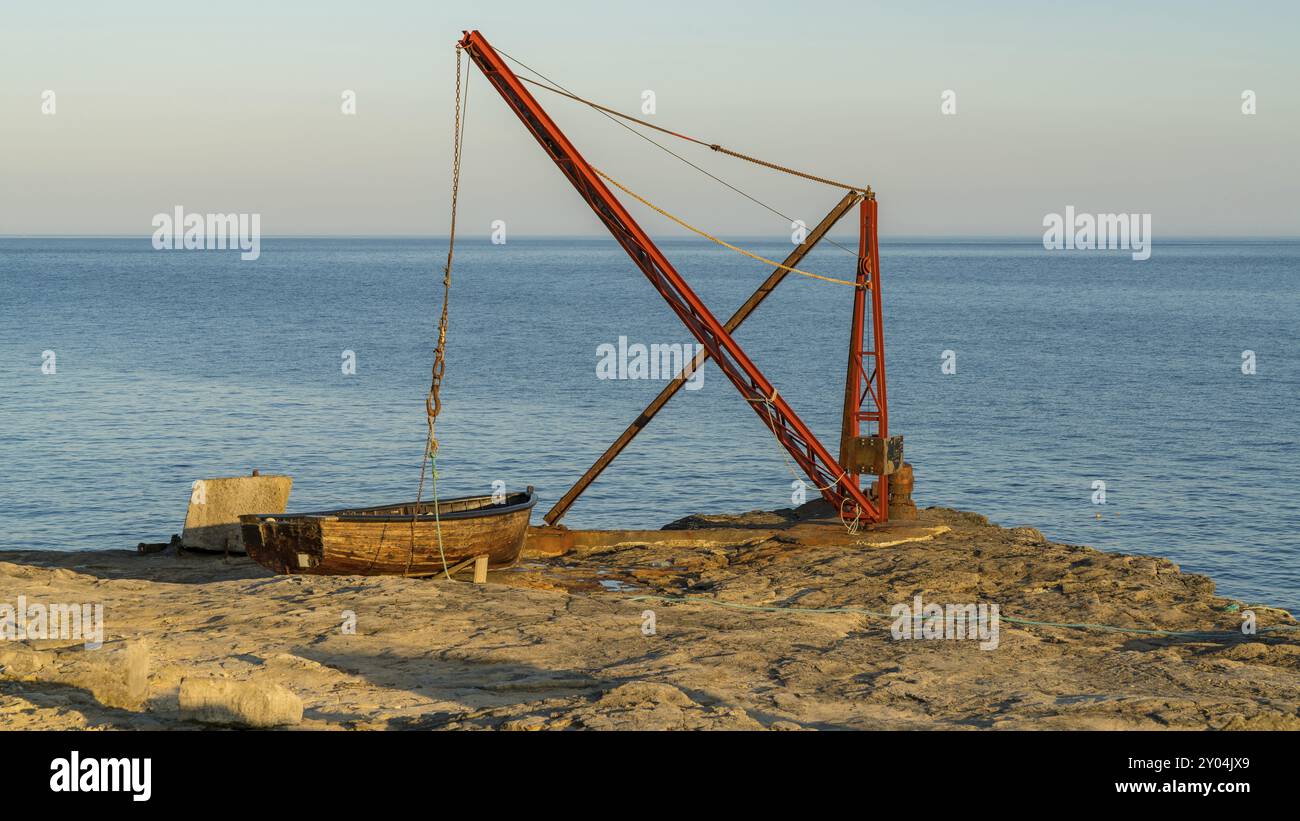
(872, 454)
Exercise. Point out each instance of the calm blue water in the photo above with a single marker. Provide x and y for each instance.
(1071, 367)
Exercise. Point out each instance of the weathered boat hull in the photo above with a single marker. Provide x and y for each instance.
(391, 540)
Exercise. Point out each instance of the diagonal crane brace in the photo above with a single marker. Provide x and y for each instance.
(836, 485)
(670, 390)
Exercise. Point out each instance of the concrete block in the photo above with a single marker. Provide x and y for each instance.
(212, 520)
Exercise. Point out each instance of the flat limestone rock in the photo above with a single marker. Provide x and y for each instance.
(239, 703)
(212, 520)
(116, 674)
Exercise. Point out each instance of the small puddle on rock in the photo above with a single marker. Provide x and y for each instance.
(616, 585)
(574, 579)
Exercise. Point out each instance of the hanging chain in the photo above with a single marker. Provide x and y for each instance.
(433, 402)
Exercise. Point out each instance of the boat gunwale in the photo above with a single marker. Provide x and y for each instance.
(349, 514)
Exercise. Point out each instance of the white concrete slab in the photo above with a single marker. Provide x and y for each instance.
(212, 520)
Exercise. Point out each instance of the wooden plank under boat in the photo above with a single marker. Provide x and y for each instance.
(372, 541)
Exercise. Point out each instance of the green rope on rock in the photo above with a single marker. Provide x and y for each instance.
(1011, 619)
(437, 515)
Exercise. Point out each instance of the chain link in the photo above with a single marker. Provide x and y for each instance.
(433, 401)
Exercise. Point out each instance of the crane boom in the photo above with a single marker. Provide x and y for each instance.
(837, 486)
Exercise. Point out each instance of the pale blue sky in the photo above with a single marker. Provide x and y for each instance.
(234, 106)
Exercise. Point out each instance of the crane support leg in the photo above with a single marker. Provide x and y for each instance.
(865, 444)
(834, 482)
(796, 256)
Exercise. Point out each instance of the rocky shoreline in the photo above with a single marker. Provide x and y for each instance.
(765, 620)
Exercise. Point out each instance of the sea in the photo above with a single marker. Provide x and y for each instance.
(1147, 407)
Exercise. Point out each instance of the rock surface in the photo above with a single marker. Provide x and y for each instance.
(762, 639)
(115, 674)
(238, 703)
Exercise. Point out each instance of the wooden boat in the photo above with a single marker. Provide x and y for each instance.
(371, 541)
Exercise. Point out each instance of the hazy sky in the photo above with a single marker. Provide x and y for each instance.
(235, 107)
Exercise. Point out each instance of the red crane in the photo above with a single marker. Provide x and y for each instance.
(865, 399)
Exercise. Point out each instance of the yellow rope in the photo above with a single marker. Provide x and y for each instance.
(683, 223)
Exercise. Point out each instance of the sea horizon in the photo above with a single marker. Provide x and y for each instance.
(767, 237)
